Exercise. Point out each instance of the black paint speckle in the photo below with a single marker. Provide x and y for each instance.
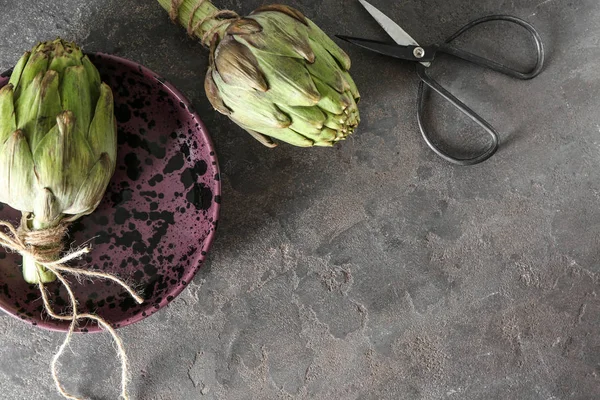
(200, 196)
(175, 163)
(122, 197)
(133, 166)
(191, 175)
(122, 113)
(122, 215)
(155, 179)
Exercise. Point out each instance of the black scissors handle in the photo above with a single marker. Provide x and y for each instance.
(493, 65)
(427, 81)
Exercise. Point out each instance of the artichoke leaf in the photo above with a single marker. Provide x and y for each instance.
(310, 115)
(103, 122)
(15, 76)
(76, 97)
(289, 11)
(62, 57)
(353, 118)
(16, 170)
(306, 120)
(262, 114)
(93, 79)
(351, 85)
(289, 81)
(79, 157)
(61, 157)
(327, 70)
(338, 134)
(281, 35)
(264, 140)
(244, 26)
(7, 113)
(289, 136)
(48, 157)
(336, 121)
(310, 122)
(331, 100)
(323, 135)
(48, 108)
(306, 129)
(46, 209)
(92, 191)
(36, 65)
(238, 67)
(27, 104)
(212, 93)
(318, 36)
(61, 63)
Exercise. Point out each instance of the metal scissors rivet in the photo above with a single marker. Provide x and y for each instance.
(419, 52)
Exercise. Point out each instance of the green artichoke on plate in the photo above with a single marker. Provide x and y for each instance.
(276, 74)
(58, 139)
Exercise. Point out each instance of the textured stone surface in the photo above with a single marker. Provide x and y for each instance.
(373, 270)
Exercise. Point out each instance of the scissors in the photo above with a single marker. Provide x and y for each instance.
(406, 48)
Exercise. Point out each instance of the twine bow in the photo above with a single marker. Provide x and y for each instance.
(42, 246)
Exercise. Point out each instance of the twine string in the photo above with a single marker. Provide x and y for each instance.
(43, 246)
(223, 16)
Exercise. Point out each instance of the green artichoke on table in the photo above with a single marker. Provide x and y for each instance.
(276, 74)
(58, 139)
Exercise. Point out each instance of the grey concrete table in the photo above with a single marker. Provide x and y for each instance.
(373, 270)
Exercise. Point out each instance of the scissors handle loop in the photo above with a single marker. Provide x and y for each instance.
(426, 80)
(493, 65)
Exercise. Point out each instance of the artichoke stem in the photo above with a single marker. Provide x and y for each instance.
(205, 10)
(30, 272)
(31, 268)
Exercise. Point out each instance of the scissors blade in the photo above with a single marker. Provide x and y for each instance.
(393, 29)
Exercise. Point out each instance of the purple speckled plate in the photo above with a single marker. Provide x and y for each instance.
(158, 217)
